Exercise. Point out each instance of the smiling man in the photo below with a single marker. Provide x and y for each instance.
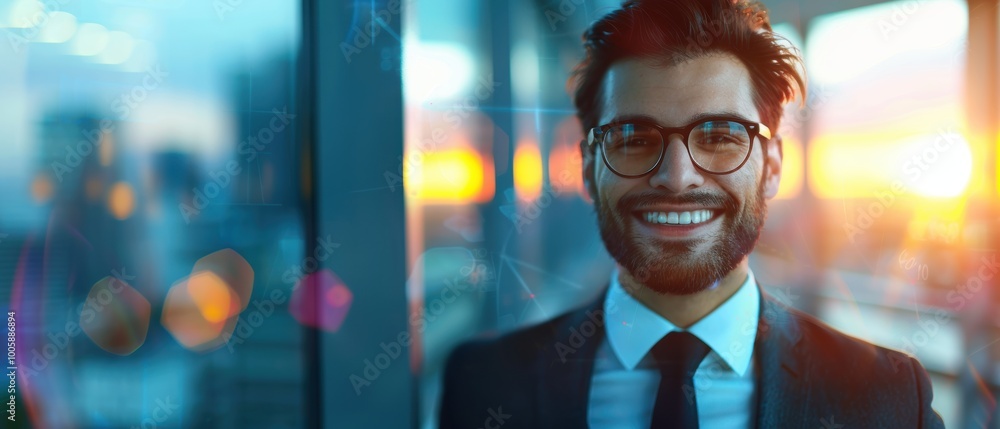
(680, 101)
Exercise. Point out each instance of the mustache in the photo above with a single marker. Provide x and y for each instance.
(704, 198)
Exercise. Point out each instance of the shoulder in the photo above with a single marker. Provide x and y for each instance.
(825, 345)
(515, 349)
(831, 373)
(879, 382)
(495, 370)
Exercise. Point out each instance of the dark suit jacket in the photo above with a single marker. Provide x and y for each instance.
(808, 376)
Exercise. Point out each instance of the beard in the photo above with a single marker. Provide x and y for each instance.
(675, 267)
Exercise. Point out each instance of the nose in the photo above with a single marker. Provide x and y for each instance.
(676, 172)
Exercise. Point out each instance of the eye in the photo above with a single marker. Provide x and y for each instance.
(718, 139)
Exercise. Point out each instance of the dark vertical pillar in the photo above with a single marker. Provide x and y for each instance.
(358, 135)
(306, 84)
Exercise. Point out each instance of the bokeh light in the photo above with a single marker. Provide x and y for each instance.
(566, 169)
(60, 28)
(331, 308)
(90, 39)
(212, 297)
(446, 177)
(527, 170)
(115, 316)
(21, 14)
(436, 71)
(121, 200)
(233, 269)
(117, 50)
(792, 162)
(41, 188)
(198, 310)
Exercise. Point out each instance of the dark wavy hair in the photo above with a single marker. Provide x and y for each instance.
(679, 30)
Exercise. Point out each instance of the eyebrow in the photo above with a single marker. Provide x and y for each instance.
(693, 119)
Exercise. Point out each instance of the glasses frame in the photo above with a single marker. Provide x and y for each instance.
(596, 135)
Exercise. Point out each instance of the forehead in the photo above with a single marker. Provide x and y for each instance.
(674, 93)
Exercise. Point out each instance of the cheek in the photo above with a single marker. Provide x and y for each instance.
(603, 180)
(610, 187)
(742, 185)
(751, 172)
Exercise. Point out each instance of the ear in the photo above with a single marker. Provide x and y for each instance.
(588, 169)
(772, 166)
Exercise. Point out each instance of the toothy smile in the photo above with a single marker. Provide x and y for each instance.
(677, 218)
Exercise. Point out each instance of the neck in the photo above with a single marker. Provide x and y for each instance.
(685, 310)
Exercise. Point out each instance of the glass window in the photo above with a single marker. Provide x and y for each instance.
(146, 144)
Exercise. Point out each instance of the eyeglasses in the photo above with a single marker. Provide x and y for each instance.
(717, 145)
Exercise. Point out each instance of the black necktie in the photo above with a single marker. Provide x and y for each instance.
(677, 356)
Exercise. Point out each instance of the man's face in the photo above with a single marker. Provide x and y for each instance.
(681, 259)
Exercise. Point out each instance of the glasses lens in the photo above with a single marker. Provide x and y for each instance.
(719, 146)
(632, 149)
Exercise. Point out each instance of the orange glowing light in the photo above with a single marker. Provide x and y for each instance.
(995, 144)
(452, 176)
(41, 188)
(950, 215)
(198, 311)
(563, 159)
(865, 165)
(566, 170)
(527, 170)
(792, 162)
(212, 296)
(121, 200)
(233, 269)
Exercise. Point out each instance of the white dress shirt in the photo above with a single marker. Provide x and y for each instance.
(625, 380)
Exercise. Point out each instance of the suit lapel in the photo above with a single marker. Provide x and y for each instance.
(782, 396)
(566, 366)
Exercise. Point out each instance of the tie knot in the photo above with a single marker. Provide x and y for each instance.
(679, 351)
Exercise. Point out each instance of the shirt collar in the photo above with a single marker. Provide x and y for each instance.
(729, 330)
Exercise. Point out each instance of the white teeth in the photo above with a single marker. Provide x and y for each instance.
(678, 218)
